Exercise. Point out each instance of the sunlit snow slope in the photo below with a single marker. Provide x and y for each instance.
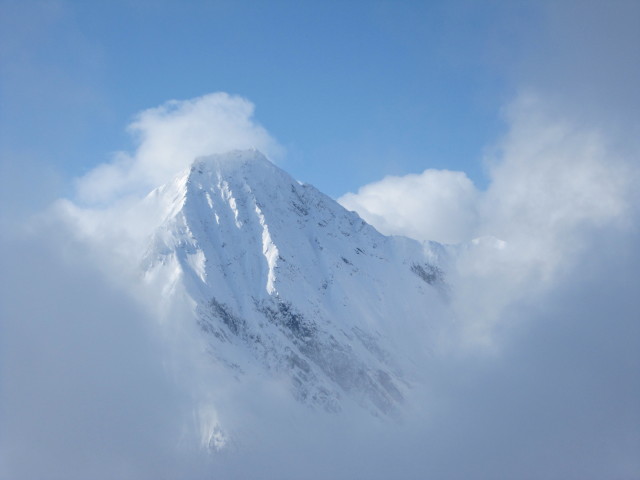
(284, 278)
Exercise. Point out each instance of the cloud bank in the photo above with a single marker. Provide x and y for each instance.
(538, 376)
(111, 385)
(554, 183)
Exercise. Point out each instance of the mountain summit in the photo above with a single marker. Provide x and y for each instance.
(284, 279)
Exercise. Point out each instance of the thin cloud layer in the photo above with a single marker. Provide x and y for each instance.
(169, 137)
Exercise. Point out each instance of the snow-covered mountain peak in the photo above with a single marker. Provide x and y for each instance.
(233, 161)
(285, 279)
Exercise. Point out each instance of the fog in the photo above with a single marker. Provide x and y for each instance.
(534, 376)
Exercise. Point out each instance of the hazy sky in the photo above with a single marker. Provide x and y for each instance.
(511, 128)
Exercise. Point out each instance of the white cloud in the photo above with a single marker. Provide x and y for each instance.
(87, 392)
(554, 184)
(437, 204)
(552, 390)
(170, 137)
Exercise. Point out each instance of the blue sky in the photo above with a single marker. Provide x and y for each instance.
(352, 90)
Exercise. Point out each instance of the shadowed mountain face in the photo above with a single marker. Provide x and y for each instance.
(284, 279)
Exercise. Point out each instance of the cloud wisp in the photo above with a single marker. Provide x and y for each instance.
(169, 137)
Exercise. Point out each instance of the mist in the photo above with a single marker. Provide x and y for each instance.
(534, 374)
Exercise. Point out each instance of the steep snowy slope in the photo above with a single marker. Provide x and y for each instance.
(284, 278)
